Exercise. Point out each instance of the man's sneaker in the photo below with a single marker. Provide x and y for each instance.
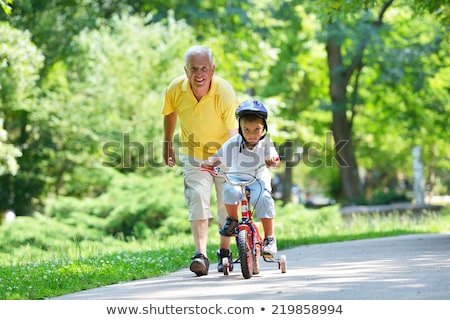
(200, 265)
(224, 253)
(270, 247)
(228, 227)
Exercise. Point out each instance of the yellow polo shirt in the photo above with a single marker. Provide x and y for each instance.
(204, 124)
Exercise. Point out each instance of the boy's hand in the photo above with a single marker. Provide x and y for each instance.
(210, 163)
(207, 165)
(272, 162)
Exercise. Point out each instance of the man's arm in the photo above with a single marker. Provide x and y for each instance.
(170, 122)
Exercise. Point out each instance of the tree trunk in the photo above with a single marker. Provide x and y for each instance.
(287, 181)
(345, 156)
(341, 127)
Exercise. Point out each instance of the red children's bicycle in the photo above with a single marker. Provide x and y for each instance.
(248, 239)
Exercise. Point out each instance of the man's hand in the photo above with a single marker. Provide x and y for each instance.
(170, 162)
(168, 154)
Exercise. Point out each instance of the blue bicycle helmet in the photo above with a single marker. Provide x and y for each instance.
(252, 108)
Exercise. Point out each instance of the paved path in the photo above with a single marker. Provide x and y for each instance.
(412, 267)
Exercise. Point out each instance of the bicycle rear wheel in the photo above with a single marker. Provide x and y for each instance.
(245, 253)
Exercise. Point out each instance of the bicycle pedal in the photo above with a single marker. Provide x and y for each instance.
(268, 257)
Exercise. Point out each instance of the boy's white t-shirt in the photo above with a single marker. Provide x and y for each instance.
(236, 157)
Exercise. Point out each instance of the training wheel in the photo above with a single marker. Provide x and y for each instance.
(282, 264)
(226, 266)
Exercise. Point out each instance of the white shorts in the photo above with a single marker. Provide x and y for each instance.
(260, 198)
(198, 189)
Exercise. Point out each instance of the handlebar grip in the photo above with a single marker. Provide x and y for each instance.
(211, 171)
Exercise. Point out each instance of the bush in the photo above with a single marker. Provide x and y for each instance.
(28, 237)
(386, 197)
(132, 206)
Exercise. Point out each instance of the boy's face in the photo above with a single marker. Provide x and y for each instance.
(252, 130)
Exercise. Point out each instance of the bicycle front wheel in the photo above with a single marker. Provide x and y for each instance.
(245, 253)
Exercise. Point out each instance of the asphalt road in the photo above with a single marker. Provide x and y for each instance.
(412, 267)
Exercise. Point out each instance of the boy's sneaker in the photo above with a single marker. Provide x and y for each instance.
(200, 265)
(228, 227)
(270, 247)
(224, 253)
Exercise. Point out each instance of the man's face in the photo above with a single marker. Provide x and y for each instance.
(199, 71)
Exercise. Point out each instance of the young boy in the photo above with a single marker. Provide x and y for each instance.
(246, 152)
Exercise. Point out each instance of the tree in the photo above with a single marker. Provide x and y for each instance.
(8, 152)
(104, 102)
(20, 64)
(340, 74)
(351, 31)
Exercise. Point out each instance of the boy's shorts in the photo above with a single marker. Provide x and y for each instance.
(260, 198)
(198, 188)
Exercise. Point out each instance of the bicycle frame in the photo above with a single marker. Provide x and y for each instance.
(246, 227)
(246, 222)
(248, 238)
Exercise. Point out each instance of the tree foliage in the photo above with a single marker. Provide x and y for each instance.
(373, 73)
(5, 5)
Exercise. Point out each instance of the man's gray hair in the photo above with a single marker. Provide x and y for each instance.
(198, 50)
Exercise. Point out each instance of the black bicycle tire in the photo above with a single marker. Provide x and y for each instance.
(245, 254)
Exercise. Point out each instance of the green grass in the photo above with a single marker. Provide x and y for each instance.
(66, 266)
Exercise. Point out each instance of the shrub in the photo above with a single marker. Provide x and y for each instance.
(131, 207)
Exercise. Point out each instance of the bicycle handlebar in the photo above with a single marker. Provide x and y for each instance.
(216, 172)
